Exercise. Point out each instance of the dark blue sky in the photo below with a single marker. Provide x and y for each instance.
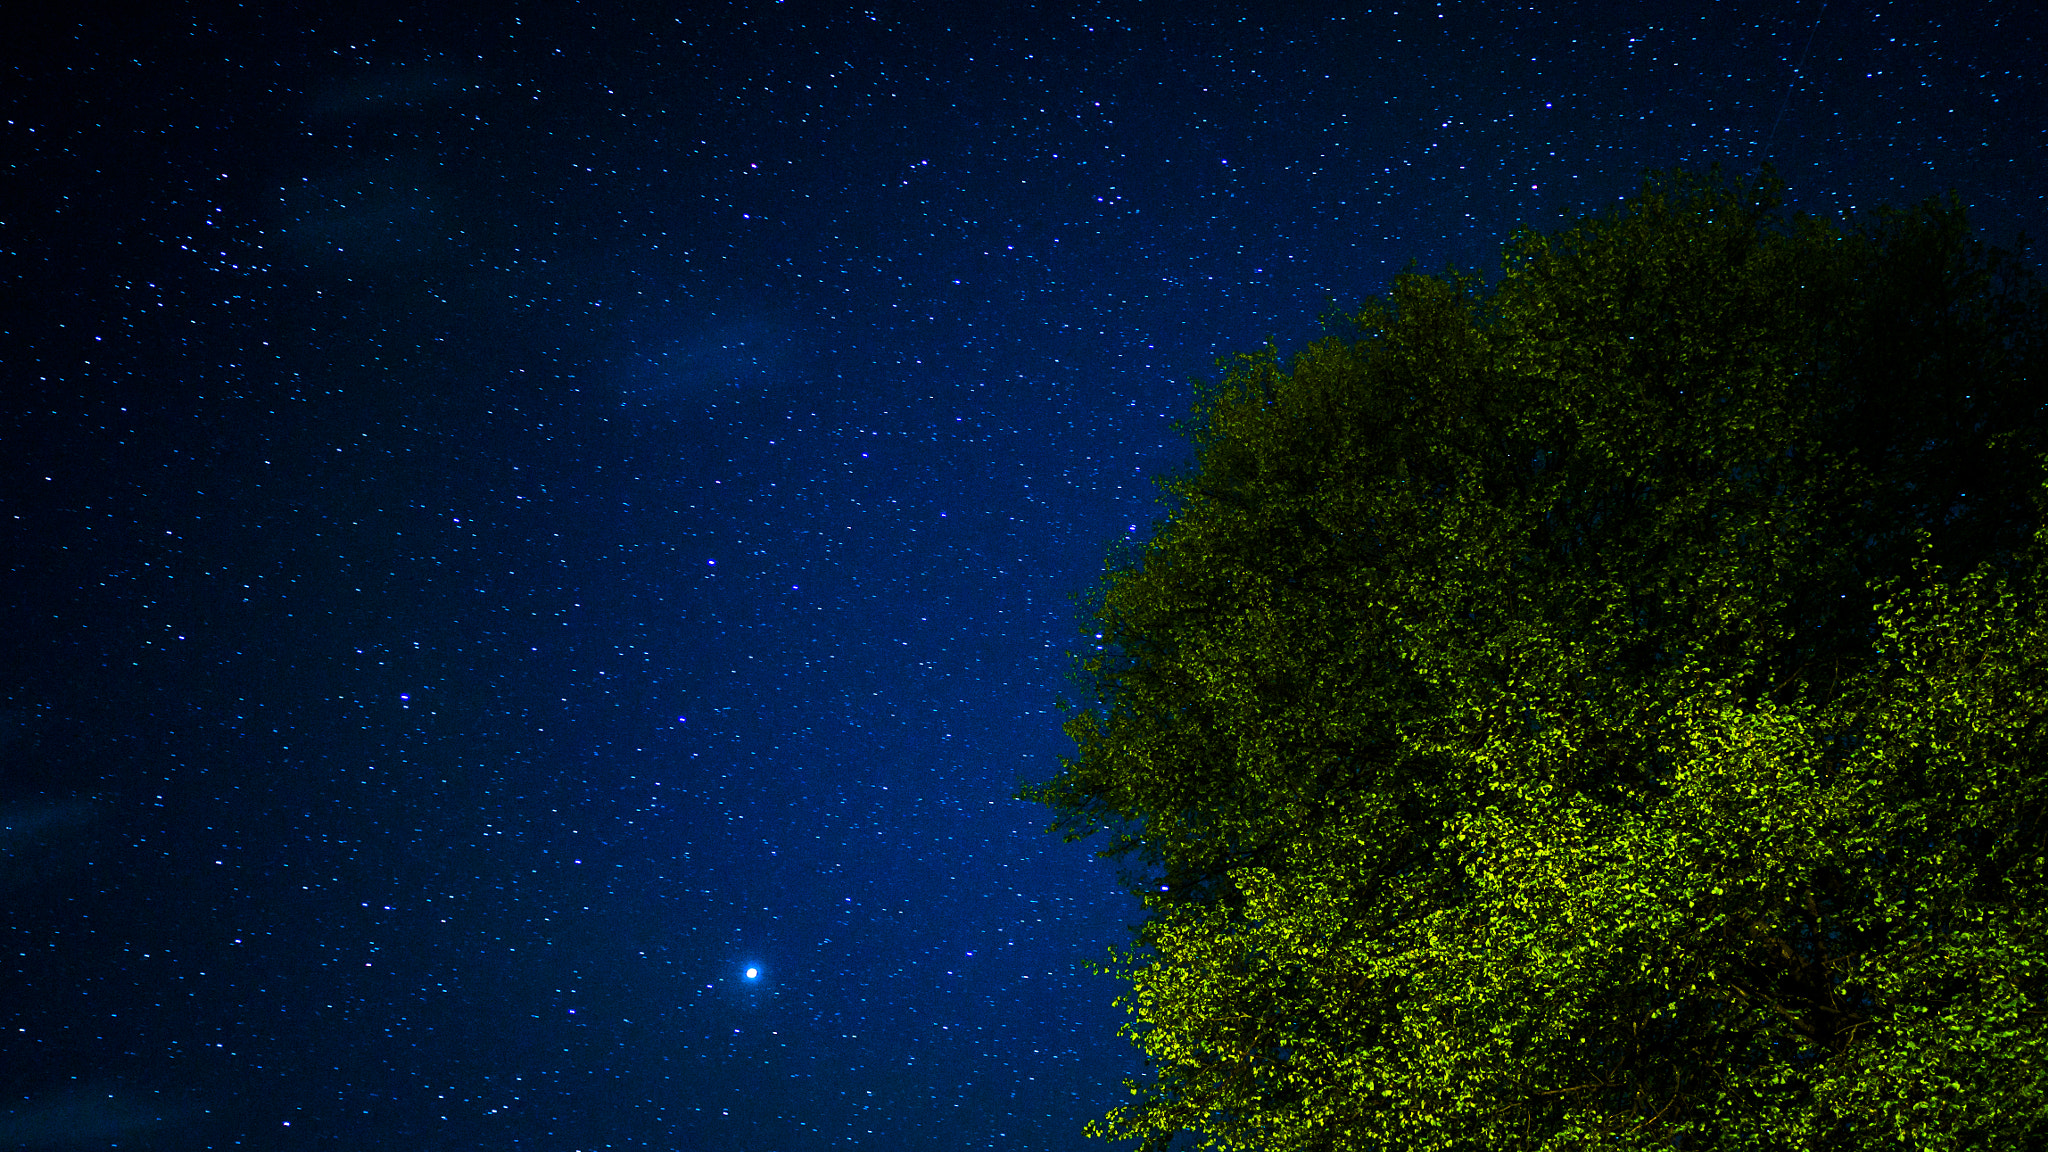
(514, 516)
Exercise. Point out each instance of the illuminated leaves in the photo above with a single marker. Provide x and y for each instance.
(1598, 711)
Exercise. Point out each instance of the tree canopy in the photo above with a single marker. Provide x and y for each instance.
(1600, 710)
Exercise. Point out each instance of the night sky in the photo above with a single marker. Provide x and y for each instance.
(516, 517)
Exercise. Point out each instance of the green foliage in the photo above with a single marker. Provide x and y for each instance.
(1600, 711)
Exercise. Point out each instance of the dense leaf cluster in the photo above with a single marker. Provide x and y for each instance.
(1602, 710)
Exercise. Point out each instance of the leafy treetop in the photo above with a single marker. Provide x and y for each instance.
(1602, 710)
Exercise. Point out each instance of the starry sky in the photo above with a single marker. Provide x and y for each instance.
(516, 515)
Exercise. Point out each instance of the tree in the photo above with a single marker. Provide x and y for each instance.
(1605, 709)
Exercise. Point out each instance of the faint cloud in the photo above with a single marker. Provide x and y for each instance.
(393, 89)
(383, 202)
(37, 838)
(743, 347)
(378, 215)
(81, 1116)
(26, 824)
